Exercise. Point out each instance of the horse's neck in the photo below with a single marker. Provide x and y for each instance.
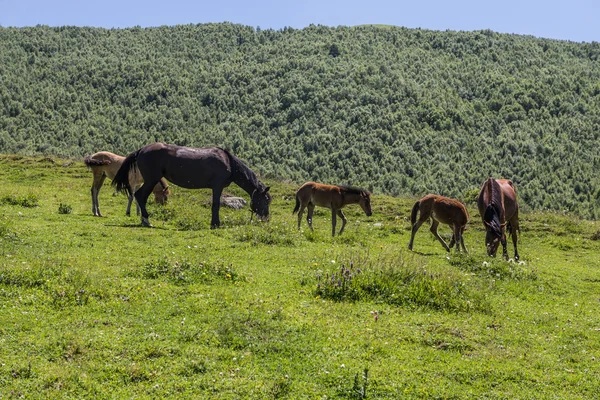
(243, 176)
(245, 183)
(350, 197)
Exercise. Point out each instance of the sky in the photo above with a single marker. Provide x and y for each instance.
(574, 20)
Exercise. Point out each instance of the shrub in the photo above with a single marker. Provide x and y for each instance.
(65, 209)
(29, 200)
(184, 272)
(394, 281)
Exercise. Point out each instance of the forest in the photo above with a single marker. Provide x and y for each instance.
(399, 111)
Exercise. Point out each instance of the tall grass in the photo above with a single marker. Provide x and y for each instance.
(392, 279)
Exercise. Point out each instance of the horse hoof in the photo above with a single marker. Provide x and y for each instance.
(146, 223)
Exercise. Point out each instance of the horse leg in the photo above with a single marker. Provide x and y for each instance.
(333, 220)
(300, 212)
(462, 239)
(453, 239)
(514, 227)
(456, 237)
(343, 217)
(433, 229)
(98, 181)
(504, 249)
(141, 196)
(137, 206)
(309, 215)
(129, 201)
(216, 205)
(415, 228)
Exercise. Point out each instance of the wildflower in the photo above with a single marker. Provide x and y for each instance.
(228, 276)
(375, 315)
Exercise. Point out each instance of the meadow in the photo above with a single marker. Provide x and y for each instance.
(103, 308)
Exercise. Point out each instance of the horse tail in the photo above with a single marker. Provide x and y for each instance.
(90, 161)
(413, 214)
(297, 204)
(121, 179)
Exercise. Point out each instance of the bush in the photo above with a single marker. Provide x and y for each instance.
(393, 281)
(65, 209)
(28, 201)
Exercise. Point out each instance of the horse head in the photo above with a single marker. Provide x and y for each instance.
(161, 193)
(365, 202)
(259, 202)
(494, 230)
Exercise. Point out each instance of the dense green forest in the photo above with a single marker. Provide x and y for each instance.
(400, 111)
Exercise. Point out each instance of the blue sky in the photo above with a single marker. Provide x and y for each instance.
(575, 20)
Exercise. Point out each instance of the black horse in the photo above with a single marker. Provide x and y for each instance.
(192, 168)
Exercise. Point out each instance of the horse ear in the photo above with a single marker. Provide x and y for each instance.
(267, 189)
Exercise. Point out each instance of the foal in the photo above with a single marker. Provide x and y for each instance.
(440, 209)
(105, 164)
(334, 197)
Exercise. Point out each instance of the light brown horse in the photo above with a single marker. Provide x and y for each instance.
(440, 209)
(334, 197)
(105, 164)
(498, 205)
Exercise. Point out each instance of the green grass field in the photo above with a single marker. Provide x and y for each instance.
(103, 308)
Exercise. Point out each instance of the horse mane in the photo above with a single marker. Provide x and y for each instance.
(240, 172)
(494, 208)
(353, 189)
(493, 220)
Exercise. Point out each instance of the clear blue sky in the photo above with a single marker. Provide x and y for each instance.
(575, 20)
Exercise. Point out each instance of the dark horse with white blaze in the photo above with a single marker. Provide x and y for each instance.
(440, 209)
(334, 197)
(193, 168)
(498, 208)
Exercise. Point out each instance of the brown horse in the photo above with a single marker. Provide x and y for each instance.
(498, 205)
(440, 209)
(192, 168)
(105, 164)
(334, 197)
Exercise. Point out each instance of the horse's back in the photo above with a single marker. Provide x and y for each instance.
(105, 161)
(445, 209)
(501, 191)
(319, 194)
(511, 205)
(187, 167)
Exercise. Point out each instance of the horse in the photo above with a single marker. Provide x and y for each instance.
(497, 203)
(440, 209)
(105, 164)
(192, 168)
(334, 197)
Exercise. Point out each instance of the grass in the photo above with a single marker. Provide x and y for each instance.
(100, 307)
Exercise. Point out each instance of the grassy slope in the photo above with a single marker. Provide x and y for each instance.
(87, 310)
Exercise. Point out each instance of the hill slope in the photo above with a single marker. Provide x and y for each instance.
(402, 111)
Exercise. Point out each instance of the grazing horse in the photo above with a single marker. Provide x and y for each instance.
(192, 168)
(440, 209)
(498, 205)
(334, 197)
(105, 164)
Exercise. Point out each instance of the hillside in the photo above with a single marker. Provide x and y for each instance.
(401, 111)
(102, 308)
